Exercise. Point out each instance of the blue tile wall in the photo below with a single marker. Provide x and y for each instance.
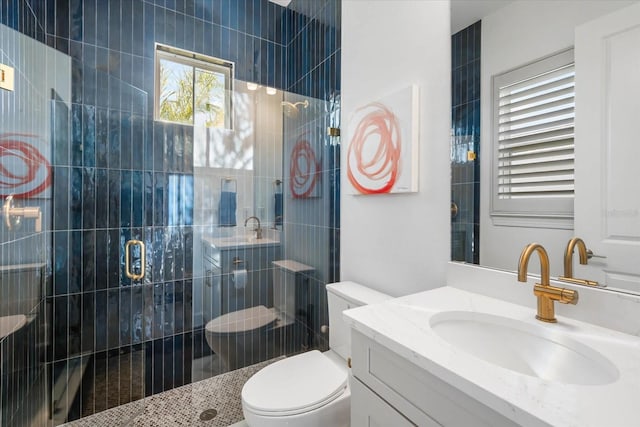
(314, 55)
(117, 172)
(465, 131)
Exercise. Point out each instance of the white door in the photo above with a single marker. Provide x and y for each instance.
(607, 149)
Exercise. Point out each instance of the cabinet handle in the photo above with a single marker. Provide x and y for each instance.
(127, 260)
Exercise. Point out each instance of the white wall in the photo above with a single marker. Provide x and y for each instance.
(512, 36)
(399, 244)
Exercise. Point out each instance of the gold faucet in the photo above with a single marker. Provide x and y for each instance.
(568, 262)
(545, 293)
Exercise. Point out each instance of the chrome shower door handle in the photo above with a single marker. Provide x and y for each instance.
(127, 260)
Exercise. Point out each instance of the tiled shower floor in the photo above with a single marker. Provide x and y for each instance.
(182, 406)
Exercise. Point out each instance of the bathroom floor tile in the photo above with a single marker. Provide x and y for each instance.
(182, 406)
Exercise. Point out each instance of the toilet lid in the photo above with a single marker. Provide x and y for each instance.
(294, 385)
(242, 320)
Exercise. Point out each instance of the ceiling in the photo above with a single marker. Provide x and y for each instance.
(466, 12)
(463, 12)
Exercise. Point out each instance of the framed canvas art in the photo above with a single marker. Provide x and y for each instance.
(382, 150)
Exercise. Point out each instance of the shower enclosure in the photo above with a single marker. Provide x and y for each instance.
(123, 232)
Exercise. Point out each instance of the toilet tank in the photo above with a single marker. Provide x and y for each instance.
(342, 296)
(288, 276)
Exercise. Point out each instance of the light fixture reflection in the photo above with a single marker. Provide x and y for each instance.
(271, 91)
(252, 86)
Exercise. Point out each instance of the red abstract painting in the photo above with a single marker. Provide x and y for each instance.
(24, 171)
(378, 135)
(304, 170)
(382, 151)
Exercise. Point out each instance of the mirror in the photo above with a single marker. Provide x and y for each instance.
(512, 34)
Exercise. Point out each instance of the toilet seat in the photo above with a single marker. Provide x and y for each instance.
(295, 385)
(240, 321)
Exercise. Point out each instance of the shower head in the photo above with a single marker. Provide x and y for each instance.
(291, 108)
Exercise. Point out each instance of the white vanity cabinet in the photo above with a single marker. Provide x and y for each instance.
(388, 390)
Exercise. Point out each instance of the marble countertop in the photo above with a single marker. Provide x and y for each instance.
(235, 242)
(403, 326)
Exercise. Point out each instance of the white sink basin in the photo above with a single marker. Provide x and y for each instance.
(525, 348)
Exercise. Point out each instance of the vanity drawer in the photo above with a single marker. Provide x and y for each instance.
(415, 393)
(369, 410)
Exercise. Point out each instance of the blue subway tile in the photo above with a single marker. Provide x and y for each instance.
(75, 203)
(88, 198)
(60, 262)
(89, 260)
(113, 319)
(114, 199)
(76, 135)
(88, 136)
(137, 199)
(125, 198)
(76, 20)
(125, 141)
(102, 197)
(88, 324)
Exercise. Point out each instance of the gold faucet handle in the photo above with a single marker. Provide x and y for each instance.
(584, 282)
(562, 295)
(569, 296)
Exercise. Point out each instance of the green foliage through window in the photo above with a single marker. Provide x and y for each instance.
(190, 92)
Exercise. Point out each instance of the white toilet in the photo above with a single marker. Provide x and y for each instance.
(244, 337)
(310, 389)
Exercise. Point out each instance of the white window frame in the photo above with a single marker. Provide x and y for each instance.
(543, 212)
(200, 62)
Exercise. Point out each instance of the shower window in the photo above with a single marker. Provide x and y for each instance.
(193, 89)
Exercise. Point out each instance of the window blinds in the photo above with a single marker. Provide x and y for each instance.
(535, 135)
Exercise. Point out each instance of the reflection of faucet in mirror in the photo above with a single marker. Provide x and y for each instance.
(258, 230)
(568, 262)
(545, 293)
(488, 233)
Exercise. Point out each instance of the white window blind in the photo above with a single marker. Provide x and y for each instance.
(534, 139)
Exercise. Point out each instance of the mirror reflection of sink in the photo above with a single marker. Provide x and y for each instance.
(524, 348)
(244, 239)
(240, 240)
(235, 239)
(10, 324)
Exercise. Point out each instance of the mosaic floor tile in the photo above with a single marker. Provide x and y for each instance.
(182, 406)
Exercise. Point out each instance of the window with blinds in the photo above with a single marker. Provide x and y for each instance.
(533, 139)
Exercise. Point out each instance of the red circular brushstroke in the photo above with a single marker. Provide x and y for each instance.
(379, 132)
(303, 170)
(31, 159)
